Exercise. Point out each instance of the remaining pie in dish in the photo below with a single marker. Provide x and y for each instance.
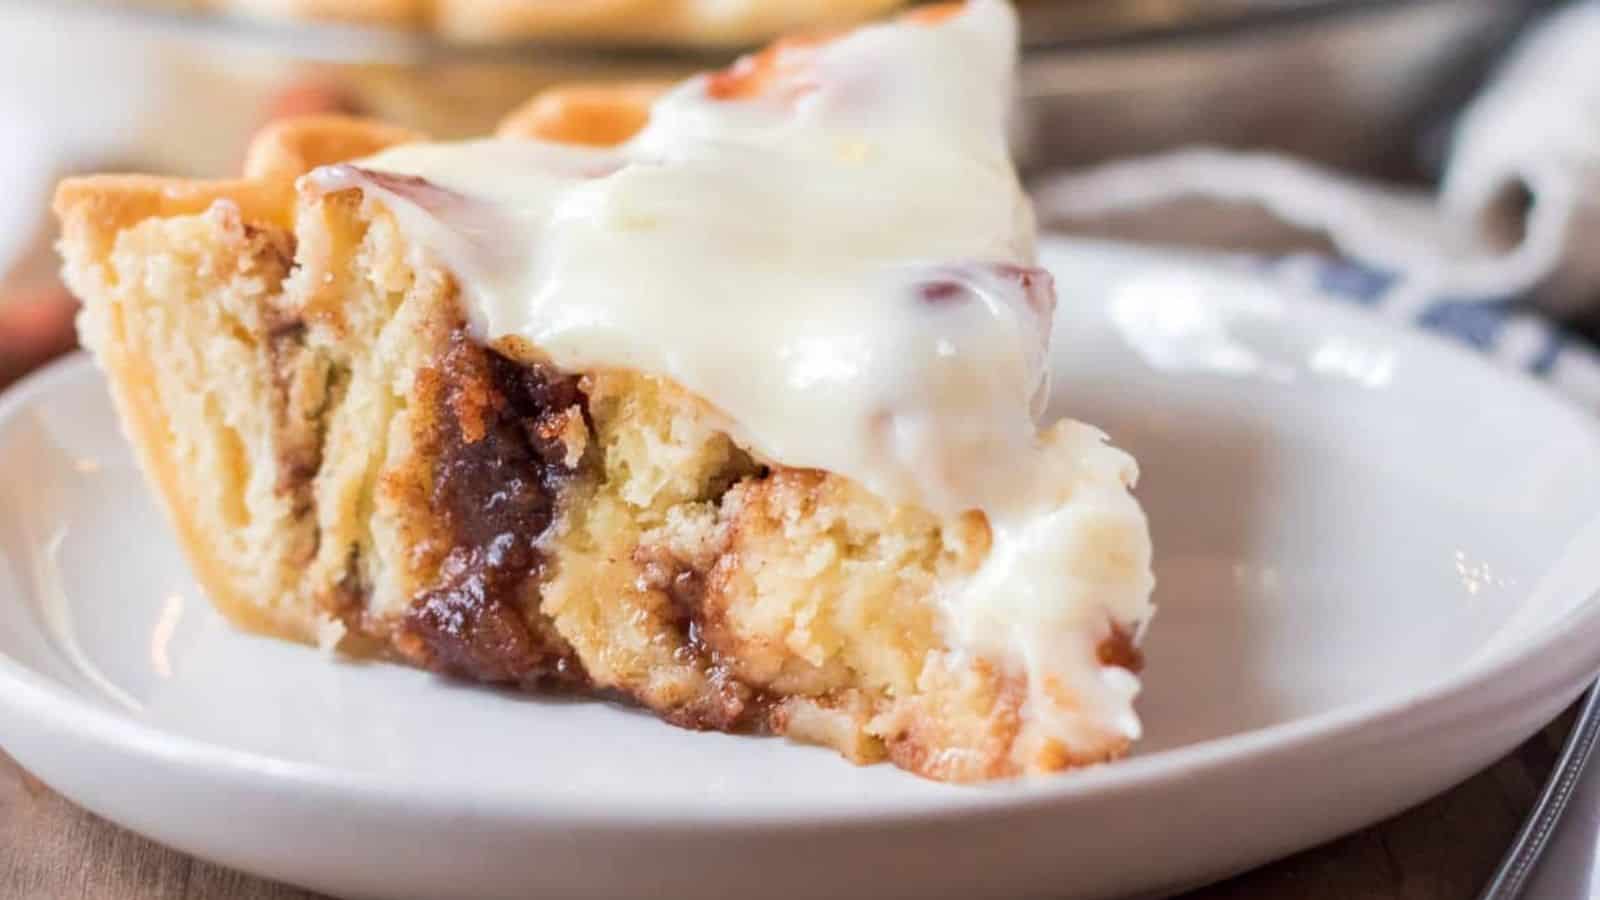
(726, 403)
(692, 22)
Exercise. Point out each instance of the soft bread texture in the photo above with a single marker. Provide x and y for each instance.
(297, 384)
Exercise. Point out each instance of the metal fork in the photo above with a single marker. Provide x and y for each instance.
(1520, 861)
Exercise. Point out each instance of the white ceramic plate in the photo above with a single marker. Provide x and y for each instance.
(1376, 575)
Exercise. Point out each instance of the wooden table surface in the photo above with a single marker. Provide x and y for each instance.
(1444, 849)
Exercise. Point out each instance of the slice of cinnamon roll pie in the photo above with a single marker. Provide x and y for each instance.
(723, 398)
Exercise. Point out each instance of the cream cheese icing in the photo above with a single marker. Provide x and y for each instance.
(843, 265)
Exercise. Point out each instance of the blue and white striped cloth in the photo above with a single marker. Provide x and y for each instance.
(1499, 327)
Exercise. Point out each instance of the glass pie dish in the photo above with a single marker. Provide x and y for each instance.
(1353, 83)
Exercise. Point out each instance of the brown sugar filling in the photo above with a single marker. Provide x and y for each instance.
(501, 471)
(1118, 649)
(498, 480)
(730, 704)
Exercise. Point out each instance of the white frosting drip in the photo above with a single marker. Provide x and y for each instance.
(844, 266)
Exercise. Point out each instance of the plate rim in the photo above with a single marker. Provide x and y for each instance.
(1568, 648)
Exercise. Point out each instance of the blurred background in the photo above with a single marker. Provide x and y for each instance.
(1363, 97)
